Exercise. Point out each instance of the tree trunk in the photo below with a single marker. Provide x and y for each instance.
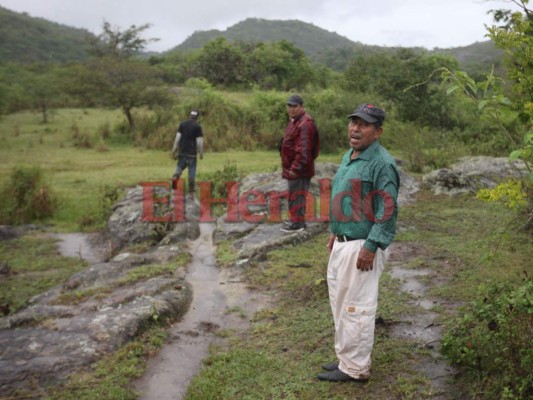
(127, 111)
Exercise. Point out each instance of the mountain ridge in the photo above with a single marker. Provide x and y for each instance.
(30, 39)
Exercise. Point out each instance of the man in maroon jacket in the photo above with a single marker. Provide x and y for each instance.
(299, 149)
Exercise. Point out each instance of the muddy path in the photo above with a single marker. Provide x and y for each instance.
(221, 301)
(421, 325)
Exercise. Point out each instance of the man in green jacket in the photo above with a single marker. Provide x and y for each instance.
(363, 211)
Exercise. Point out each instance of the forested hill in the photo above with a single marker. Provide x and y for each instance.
(27, 39)
(326, 47)
(308, 37)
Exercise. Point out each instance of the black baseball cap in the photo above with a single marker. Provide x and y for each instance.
(368, 112)
(295, 99)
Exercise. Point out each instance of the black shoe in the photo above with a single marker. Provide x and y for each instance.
(331, 367)
(293, 228)
(339, 376)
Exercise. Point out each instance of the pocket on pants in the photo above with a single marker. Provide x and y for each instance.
(361, 321)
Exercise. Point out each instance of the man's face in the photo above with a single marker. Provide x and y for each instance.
(362, 134)
(294, 110)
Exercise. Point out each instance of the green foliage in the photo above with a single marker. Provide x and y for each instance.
(329, 108)
(424, 151)
(221, 63)
(123, 83)
(26, 39)
(478, 59)
(510, 193)
(489, 98)
(35, 266)
(228, 173)
(493, 341)
(114, 78)
(26, 197)
(108, 196)
(516, 39)
(312, 39)
(277, 65)
(396, 77)
(226, 124)
(113, 42)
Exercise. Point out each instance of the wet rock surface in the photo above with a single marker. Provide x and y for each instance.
(98, 309)
(48, 339)
(253, 239)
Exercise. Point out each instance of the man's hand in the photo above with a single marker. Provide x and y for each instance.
(365, 261)
(174, 156)
(293, 175)
(331, 240)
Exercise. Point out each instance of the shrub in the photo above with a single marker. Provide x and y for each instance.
(228, 173)
(26, 198)
(104, 131)
(423, 148)
(493, 342)
(108, 195)
(330, 109)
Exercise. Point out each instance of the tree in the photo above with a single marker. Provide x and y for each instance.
(221, 63)
(516, 39)
(113, 42)
(116, 77)
(396, 76)
(43, 89)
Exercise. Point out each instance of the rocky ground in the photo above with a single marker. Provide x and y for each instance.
(53, 337)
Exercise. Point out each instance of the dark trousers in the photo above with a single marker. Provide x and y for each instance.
(298, 189)
(186, 162)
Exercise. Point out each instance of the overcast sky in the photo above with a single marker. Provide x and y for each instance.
(406, 23)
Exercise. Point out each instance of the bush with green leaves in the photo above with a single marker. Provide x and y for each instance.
(219, 179)
(26, 198)
(492, 342)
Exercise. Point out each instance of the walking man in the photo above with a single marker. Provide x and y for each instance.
(299, 149)
(363, 211)
(188, 143)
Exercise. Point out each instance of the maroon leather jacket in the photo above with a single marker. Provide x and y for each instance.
(300, 147)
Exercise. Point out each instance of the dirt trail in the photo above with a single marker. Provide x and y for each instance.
(421, 326)
(220, 301)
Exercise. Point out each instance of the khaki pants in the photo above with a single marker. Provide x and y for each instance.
(353, 295)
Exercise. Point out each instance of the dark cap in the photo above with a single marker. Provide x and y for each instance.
(295, 99)
(368, 112)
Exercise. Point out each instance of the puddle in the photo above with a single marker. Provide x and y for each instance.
(78, 245)
(407, 278)
(426, 334)
(420, 326)
(220, 301)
